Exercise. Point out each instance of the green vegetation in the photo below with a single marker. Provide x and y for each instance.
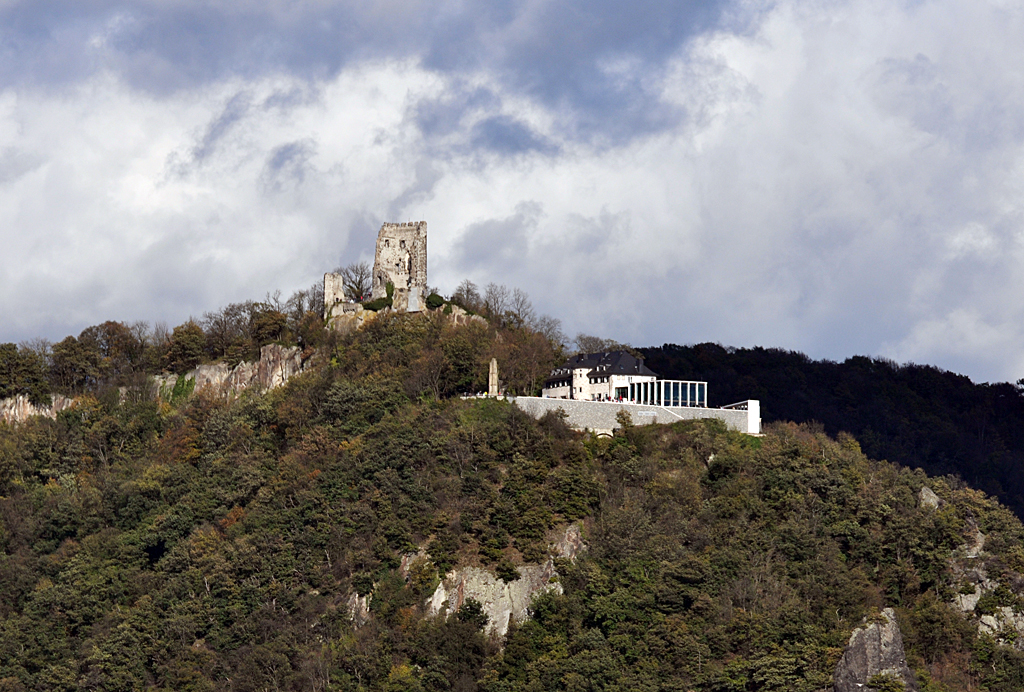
(199, 544)
(195, 543)
(914, 415)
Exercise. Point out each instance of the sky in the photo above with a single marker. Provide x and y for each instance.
(834, 177)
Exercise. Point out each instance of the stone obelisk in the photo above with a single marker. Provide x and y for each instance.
(492, 379)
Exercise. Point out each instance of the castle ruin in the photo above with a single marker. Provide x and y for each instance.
(401, 260)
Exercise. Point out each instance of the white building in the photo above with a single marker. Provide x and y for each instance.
(619, 376)
(597, 377)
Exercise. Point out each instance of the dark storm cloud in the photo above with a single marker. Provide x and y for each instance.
(234, 111)
(591, 59)
(491, 245)
(287, 165)
(506, 135)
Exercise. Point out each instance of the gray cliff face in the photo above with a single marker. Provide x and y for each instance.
(503, 603)
(276, 365)
(18, 408)
(874, 648)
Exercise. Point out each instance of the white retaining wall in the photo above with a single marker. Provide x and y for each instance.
(600, 416)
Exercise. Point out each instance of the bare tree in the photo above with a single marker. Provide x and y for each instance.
(42, 348)
(497, 299)
(274, 302)
(161, 335)
(357, 280)
(585, 343)
(521, 308)
(551, 328)
(468, 296)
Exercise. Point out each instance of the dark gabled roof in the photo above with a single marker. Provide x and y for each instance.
(601, 364)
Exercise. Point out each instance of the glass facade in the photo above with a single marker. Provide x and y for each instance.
(666, 393)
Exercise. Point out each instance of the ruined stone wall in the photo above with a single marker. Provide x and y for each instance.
(334, 294)
(401, 259)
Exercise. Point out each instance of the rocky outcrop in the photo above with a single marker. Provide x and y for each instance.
(570, 544)
(359, 609)
(502, 602)
(276, 365)
(928, 498)
(1002, 622)
(18, 409)
(459, 317)
(348, 317)
(875, 648)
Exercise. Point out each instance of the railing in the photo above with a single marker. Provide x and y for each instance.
(739, 406)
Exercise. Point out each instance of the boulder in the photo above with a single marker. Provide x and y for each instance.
(928, 498)
(570, 544)
(875, 648)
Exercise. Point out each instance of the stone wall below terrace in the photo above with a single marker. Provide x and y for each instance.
(600, 416)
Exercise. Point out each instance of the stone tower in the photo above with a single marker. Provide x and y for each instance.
(401, 259)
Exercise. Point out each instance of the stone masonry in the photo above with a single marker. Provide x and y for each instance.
(600, 416)
(401, 260)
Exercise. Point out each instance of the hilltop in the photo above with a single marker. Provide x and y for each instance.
(296, 538)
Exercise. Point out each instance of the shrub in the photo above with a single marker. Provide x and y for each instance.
(378, 304)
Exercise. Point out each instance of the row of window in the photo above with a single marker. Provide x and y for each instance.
(669, 393)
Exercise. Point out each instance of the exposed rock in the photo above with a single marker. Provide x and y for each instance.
(359, 608)
(874, 648)
(975, 545)
(928, 498)
(503, 603)
(969, 568)
(408, 559)
(18, 409)
(460, 317)
(276, 365)
(570, 544)
(348, 317)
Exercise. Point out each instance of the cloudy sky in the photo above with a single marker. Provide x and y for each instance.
(838, 177)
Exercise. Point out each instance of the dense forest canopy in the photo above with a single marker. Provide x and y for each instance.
(120, 355)
(215, 544)
(915, 415)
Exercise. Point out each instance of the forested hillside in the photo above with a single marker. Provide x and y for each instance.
(209, 544)
(915, 415)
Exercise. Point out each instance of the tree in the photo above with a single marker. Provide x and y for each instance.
(357, 280)
(521, 309)
(468, 296)
(497, 300)
(551, 328)
(186, 348)
(23, 371)
(120, 351)
(585, 343)
(75, 365)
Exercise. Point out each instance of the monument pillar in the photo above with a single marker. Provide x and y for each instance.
(492, 379)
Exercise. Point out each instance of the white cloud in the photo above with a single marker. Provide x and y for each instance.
(847, 179)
